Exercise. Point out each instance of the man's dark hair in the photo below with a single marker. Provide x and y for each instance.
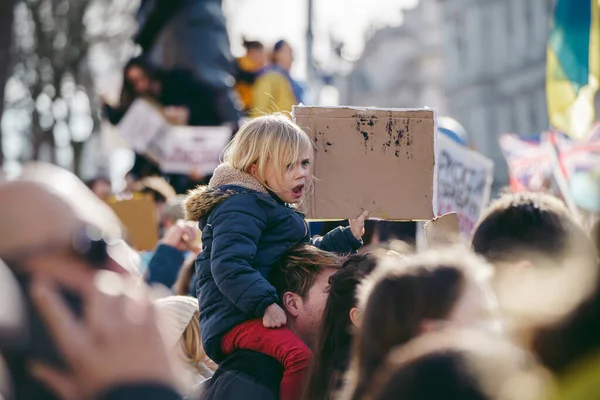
(529, 224)
(299, 268)
(253, 44)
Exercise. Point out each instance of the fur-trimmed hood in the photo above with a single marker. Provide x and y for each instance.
(201, 201)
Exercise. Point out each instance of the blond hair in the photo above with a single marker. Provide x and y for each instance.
(191, 346)
(268, 139)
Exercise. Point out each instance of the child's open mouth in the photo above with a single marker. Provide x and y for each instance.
(298, 190)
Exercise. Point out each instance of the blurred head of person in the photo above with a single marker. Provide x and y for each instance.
(52, 224)
(536, 246)
(453, 130)
(160, 191)
(100, 186)
(340, 318)
(172, 211)
(141, 77)
(283, 55)
(403, 298)
(302, 283)
(181, 329)
(458, 365)
(529, 226)
(255, 51)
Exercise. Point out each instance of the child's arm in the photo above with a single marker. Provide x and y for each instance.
(344, 240)
(237, 226)
(339, 240)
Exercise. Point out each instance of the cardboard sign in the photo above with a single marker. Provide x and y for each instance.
(442, 230)
(142, 123)
(464, 183)
(187, 149)
(138, 215)
(381, 160)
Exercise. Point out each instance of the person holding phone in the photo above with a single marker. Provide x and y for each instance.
(54, 230)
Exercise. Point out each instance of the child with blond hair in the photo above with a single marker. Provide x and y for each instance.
(248, 219)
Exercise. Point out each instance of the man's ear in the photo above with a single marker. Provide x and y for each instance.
(355, 317)
(292, 303)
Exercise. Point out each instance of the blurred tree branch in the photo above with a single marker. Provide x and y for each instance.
(53, 45)
(6, 23)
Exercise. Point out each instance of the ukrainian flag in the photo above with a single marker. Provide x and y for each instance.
(573, 66)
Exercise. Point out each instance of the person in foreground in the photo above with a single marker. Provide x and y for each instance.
(76, 235)
(403, 299)
(248, 222)
(115, 351)
(302, 280)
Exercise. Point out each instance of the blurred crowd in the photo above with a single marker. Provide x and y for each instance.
(513, 314)
(263, 84)
(241, 298)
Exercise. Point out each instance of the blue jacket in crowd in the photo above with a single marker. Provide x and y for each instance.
(246, 230)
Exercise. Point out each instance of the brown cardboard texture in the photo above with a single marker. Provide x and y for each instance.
(442, 230)
(381, 160)
(138, 215)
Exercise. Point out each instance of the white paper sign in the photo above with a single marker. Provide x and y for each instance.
(464, 183)
(141, 124)
(187, 149)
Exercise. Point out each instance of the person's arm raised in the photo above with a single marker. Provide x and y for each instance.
(344, 240)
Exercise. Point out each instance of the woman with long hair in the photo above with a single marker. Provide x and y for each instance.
(339, 320)
(182, 334)
(402, 299)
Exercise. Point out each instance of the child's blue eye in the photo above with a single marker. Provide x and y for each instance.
(305, 163)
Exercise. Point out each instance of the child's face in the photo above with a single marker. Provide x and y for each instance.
(290, 187)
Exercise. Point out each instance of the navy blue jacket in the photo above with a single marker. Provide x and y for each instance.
(245, 232)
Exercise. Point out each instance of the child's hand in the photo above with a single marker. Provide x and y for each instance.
(274, 317)
(357, 226)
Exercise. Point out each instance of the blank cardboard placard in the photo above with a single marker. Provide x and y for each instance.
(443, 229)
(138, 215)
(381, 160)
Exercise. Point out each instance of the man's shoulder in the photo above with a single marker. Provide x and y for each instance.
(244, 374)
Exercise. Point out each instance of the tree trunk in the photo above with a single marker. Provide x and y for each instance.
(6, 26)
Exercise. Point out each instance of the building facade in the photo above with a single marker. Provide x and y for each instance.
(481, 62)
(495, 68)
(400, 66)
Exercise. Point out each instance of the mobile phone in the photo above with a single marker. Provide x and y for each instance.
(36, 342)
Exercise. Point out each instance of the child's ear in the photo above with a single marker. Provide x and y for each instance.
(292, 303)
(253, 170)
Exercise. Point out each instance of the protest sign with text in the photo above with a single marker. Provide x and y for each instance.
(464, 183)
(187, 149)
(177, 149)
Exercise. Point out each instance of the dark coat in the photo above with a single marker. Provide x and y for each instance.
(192, 35)
(245, 232)
(243, 375)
